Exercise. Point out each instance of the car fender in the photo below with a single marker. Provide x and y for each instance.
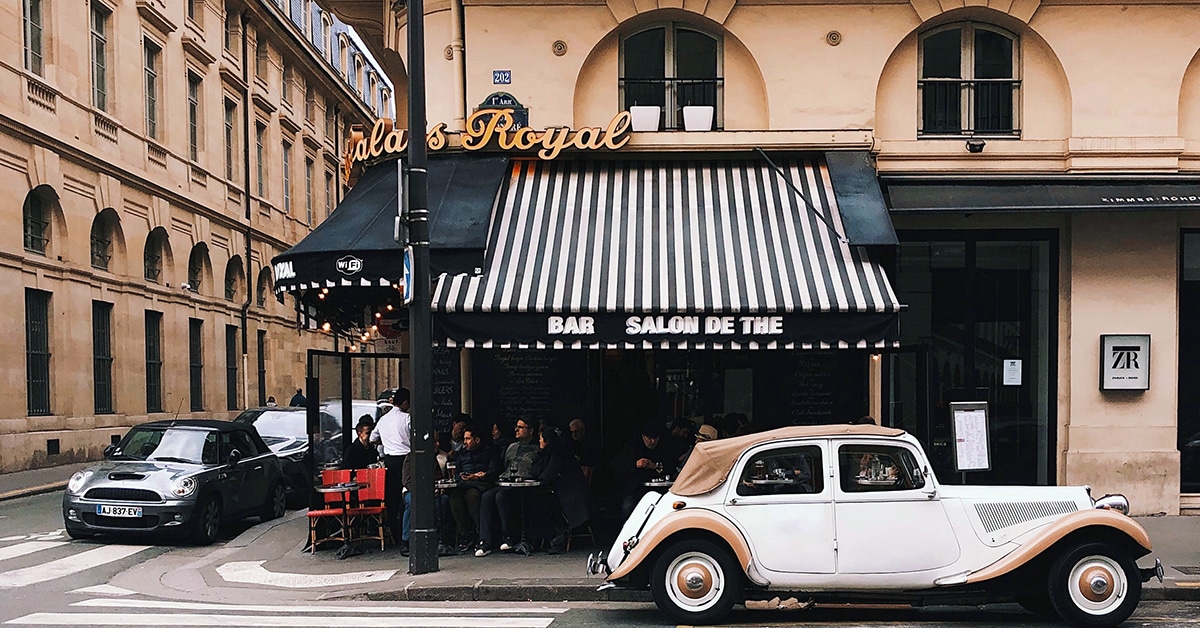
(1038, 541)
(680, 521)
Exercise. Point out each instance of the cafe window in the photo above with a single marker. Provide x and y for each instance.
(873, 468)
(784, 471)
(672, 66)
(969, 81)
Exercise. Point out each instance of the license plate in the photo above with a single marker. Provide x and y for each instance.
(119, 511)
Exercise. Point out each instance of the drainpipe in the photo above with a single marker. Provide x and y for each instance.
(246, 135)
(460, 66)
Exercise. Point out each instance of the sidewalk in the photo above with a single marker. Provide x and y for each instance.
(272, 555)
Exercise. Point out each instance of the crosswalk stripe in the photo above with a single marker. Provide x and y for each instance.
(21, 549)
(321, 621)
(104, 589)
(261, 608)
(67, 566)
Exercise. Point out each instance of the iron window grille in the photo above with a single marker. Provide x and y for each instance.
(153, 361)
(262, 367)
(196, 363)
(195, 272)
(231, 368)
(102, 357)
(35, 223)
(969, 82)
(101, 249)
(152, 266)
(37, 352)
(672, 66)
(231, 285)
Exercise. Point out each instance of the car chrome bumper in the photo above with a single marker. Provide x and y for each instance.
(596, 565)
(1153, 572)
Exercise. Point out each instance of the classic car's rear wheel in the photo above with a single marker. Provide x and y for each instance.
(276, 503)
(206, 522)
(695, 581)
(1095, 584)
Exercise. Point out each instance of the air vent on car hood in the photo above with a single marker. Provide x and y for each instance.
(119, 475)
(998, 515)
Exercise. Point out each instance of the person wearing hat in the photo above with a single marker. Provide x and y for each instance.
(641, 460)
(705, 433)
(361, 453)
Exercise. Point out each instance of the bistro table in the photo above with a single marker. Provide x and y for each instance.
(345, 488)
(445, 484)
(658, 483)
(521, 483)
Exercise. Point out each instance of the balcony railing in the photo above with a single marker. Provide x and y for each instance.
(679, 92)
(978, 107)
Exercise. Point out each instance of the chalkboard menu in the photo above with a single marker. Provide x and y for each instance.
(811, 389)
(528, 384)
(446, 388)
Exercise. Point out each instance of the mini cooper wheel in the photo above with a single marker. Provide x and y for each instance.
(206, 522)
(695, 581)
(1094, 584)
(276, 503)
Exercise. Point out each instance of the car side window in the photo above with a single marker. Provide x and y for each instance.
(784, 471)
(210, 455)
(873, 468)
(243, 443)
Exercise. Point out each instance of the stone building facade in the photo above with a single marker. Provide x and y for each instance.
(156, 155)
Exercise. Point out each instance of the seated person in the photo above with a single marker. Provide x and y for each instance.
(782, 472)
(441, 504)
(566, 496)
(361, 453)
(586, 454)
(499, 520)
(640, 461)
(478, 468)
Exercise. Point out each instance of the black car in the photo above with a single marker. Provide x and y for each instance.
(285, 430)
(179, 477)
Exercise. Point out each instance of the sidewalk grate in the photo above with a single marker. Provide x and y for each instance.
(1187, 570)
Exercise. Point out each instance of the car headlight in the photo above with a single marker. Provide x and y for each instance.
(183, 486)
(77, 481)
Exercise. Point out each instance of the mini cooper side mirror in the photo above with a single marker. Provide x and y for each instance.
(235, 457)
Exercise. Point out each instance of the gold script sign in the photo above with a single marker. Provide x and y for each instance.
(485, 128)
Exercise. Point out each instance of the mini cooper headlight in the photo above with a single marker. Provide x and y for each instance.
(77, 481)
(183, 486)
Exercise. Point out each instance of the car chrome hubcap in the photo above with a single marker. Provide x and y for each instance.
(694, 581)
(1097, 584)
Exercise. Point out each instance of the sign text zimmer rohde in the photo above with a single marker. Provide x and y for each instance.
(486, 127)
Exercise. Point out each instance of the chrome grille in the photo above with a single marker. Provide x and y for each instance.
(124, 494)
(999, 515)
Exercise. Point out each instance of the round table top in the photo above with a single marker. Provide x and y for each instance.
(516, 483)
(444, 483)
(772, 481)
(343, 487)
(658, 483)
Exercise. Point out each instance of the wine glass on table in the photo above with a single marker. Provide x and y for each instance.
(658, 469)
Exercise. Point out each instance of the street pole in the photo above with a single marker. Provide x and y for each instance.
(423, 539)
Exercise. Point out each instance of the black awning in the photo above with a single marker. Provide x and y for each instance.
(1040, 195)
(355, 245)
(860, 202)
(668, 253)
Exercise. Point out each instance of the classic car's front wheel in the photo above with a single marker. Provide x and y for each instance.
(1095, 584)
(695, 581)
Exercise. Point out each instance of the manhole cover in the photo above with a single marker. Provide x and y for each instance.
(1187, 570)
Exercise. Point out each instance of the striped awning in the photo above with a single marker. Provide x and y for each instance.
(672, 254)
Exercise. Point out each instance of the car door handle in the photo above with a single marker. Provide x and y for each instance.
(258, 468)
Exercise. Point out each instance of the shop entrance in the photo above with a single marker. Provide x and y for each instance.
(1189, 365)
(978, 302)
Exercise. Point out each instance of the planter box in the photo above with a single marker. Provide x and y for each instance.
(698, 118)
(645, 117)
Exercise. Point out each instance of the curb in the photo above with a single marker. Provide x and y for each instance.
(505, 591)
(34, 490)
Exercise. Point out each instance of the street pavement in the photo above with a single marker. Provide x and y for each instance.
(253, 557)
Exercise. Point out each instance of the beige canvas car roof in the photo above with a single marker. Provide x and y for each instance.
(711, 461)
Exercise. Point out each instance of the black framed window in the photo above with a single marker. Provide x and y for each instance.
(196, 362)
(969, 81)
(37, 351)
(672, 66)
(262, 367)
(154, 361)
(231, 366)
(36, 222)
(102, 357)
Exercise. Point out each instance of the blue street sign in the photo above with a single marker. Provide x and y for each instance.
(407, 292)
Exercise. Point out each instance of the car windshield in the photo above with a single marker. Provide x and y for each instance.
(168, 445)
(277, 423)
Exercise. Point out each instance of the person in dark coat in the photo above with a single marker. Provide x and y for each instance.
(298, 400)
(571, 495)
(361, 453)
(478, 468)
(641, 460)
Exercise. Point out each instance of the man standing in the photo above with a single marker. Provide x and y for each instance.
(394, 430)
(298, 400)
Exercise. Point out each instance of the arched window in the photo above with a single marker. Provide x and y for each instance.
(154, 256)
(198, 265)
(340, 60)
(969, 81)
(263, 290)
(234, 278)
(326, 42)
(36, 218)
(102, 239)
(672, 66)
(372, 87)
(358, 74)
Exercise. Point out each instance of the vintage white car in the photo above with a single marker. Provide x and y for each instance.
(852, 513)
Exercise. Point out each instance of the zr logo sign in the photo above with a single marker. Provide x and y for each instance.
(1125, 357)
(349, 265)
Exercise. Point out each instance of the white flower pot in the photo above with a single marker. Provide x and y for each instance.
(645, 117)
(698, 117)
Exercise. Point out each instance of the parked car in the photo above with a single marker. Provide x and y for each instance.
(285, 430)
(853, 513)
(359, 408)
(181, 477)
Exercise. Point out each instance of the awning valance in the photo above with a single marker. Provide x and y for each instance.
(678, 253)
(355, 246)
(1040, 195)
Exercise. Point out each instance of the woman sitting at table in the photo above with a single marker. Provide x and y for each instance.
(568, 492)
